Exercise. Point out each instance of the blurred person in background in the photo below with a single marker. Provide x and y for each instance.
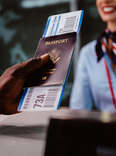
(12, 82)
(95, 80)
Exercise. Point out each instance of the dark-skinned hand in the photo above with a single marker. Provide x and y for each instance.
(12, 83)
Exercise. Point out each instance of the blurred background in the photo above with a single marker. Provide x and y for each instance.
(22, 23)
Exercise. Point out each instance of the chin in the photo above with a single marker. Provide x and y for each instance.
(109, 19)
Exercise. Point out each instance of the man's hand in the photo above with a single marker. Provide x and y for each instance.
(12, 83)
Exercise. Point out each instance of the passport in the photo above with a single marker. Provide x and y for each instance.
(44, 87)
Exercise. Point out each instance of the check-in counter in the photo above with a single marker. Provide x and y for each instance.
(58, 133)
(23, 134)
(80, 133)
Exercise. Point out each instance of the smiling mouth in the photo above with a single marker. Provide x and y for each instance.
(109, 9)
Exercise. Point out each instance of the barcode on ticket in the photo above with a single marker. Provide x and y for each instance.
(69, 24)
(41, 98)
(51, 97)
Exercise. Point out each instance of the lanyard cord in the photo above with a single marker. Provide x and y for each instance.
(110, 83)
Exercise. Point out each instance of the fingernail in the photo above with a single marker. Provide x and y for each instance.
(45, 56)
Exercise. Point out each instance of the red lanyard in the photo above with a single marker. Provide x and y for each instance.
(110, 83)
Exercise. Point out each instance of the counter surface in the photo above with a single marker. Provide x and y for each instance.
(23, 134)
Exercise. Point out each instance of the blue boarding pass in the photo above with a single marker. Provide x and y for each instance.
(45, 98)
(63, 23)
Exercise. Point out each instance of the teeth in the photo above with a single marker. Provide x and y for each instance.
(108, 9)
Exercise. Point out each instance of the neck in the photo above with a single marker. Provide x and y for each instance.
(112, 26)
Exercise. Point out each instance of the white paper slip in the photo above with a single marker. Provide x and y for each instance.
(63, 23)
(41, 99)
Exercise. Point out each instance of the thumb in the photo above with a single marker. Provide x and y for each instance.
(25, 68)
(35, 63)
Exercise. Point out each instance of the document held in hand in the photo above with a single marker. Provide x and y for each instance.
(45, 86)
